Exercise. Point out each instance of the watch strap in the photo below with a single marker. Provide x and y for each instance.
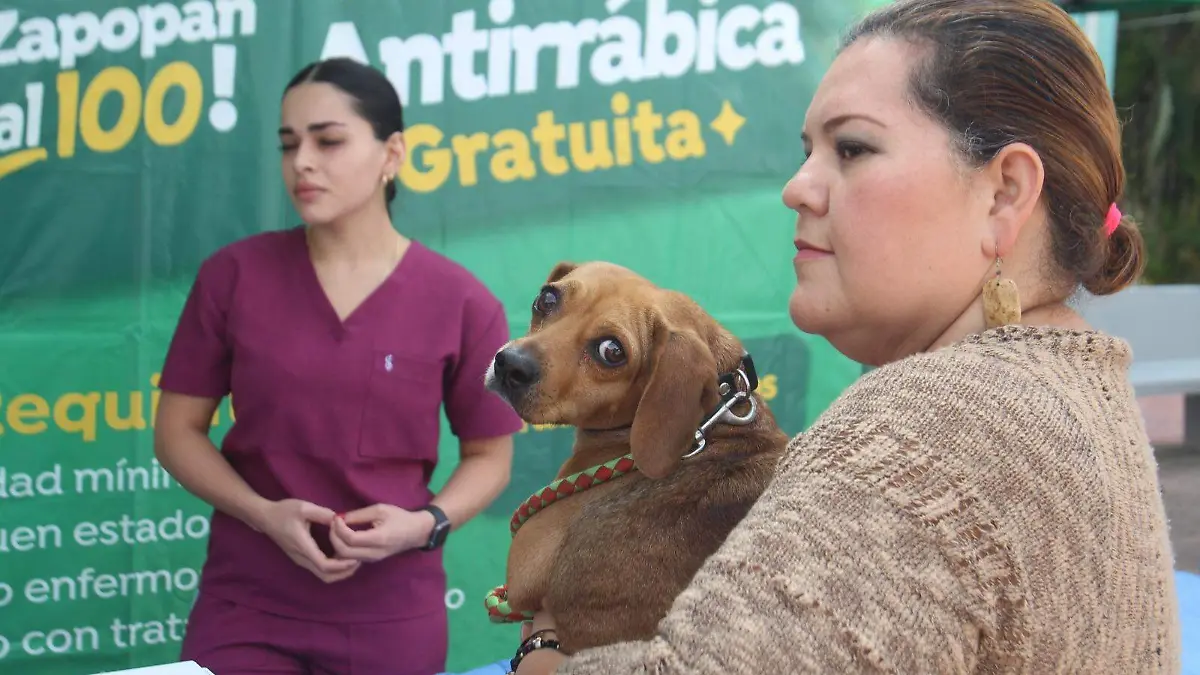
(441, 527)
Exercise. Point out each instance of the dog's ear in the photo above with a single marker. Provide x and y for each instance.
(560, 270)
(681, 391)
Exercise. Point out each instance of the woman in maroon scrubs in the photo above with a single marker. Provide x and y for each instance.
(339, 341)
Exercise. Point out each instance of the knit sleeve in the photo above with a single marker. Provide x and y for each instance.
(839, 569)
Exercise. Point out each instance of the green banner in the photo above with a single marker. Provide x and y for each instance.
(135, 139)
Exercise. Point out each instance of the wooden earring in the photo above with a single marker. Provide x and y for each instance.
(1001, 301)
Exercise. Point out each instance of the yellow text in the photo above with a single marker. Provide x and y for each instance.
(552, 147)
(79, 107)
(86, 413)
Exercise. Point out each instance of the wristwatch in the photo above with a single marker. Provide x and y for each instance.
(441, 528)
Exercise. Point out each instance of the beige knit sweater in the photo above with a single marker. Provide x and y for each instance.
(990, 507)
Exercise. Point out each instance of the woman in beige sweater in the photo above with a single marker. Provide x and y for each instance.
(986, 501)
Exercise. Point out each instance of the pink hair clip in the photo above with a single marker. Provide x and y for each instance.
(1112, 220)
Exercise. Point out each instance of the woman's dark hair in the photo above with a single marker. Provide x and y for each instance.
(375, 99)
(1005, 71)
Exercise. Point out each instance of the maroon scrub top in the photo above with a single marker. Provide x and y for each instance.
(344, 415)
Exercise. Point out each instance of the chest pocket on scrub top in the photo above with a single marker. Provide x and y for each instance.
(402, 406)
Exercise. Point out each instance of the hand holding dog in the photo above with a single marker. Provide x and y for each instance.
(392, 530)
(287, 523)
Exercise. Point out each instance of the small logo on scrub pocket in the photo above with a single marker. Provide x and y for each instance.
(387, 363)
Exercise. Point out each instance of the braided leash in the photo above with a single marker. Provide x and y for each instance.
(496, 601)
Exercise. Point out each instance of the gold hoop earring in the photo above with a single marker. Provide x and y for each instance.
(1001, 301)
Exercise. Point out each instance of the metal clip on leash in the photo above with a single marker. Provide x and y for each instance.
(725, 414)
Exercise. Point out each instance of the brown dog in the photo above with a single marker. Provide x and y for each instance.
(634, 368)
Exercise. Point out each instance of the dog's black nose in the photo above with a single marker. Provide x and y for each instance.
(516, 369)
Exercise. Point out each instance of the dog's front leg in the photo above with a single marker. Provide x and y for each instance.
(533, 551)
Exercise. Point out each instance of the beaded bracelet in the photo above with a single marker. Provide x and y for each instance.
(531, 643)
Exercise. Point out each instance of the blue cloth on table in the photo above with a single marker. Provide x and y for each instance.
(1187, 587)
(497, 668)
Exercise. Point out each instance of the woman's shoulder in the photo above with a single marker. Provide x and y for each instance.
(1006, 390)
(989, 430)
(993, 368)
(450, 282)
(253, 251)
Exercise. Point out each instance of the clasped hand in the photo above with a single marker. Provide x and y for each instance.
(392, 530)
(388, 530)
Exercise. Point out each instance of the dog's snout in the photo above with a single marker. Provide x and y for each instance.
(516, 369)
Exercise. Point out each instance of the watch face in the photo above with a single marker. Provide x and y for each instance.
(439, 534)
(441, 528)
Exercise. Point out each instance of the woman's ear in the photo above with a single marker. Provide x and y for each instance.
(397, 151)
(1015, 176)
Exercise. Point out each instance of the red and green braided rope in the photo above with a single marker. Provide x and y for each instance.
(497, 600)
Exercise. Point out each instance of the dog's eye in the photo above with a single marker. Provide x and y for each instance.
(610, 352)
(546, 302)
